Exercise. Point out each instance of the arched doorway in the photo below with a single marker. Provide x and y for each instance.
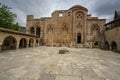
(106, 45)
(32, 30)
(37, 42)
(23, 43)
(31, 42)
(38, 32)
(97, 44)
(113, 46)
(79, 38)
(9, 43)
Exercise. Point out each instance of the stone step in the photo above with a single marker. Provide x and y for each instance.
(80, 46)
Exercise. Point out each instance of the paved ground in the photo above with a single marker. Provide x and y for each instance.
(44, 63)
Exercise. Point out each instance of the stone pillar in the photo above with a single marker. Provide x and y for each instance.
(35, 31)
(91, 45)
(27, 45)
(34, 45)
(38, 44)
(110, 48)
(0, 47)
(17, 46)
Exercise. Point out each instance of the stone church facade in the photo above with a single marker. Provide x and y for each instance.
(70, 27)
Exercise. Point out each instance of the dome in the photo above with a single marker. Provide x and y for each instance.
(79, 7)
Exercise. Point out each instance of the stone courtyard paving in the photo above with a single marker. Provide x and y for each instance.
(44, 63)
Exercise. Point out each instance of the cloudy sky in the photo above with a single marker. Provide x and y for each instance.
(44, 8)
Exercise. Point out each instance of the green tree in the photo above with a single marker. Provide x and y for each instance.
(7, 18)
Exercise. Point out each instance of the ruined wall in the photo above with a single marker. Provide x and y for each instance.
(113, 35)
(65, 26)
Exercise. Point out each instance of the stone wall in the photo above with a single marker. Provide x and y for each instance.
(10, 37)
(113, 35)
(65, 26)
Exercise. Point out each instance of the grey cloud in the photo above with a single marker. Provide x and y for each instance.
(106, 8)
(43, 8)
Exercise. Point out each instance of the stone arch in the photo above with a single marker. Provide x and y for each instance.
(50, 34)
(113, 46)
(50, 28)
(32, 30)
(106, 45)
(95, 29)
(31, 42)
(9, 43)
(79, 26)
(23, 43)
(96, 43)
(38, 30)
(65, 28)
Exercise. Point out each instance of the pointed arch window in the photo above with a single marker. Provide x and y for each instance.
(65, 28)
(32, 30)
(38, 31)
(95, 29)
(79, 26)
(79, 15)
(50, 28)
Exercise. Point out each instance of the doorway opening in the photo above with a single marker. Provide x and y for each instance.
(79, 38)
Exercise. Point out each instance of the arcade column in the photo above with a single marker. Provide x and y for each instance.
(17, 46)
(0, 47)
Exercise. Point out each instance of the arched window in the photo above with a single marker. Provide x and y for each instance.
(113, 46)
(65, 28)
(60, 14)
(31, 42)
(32, 30)
(95, 29)
(79, 26)
(38, 31)
(106, 45)
(23, 43)
(50, 28)
(79, 15)
(69, 13)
